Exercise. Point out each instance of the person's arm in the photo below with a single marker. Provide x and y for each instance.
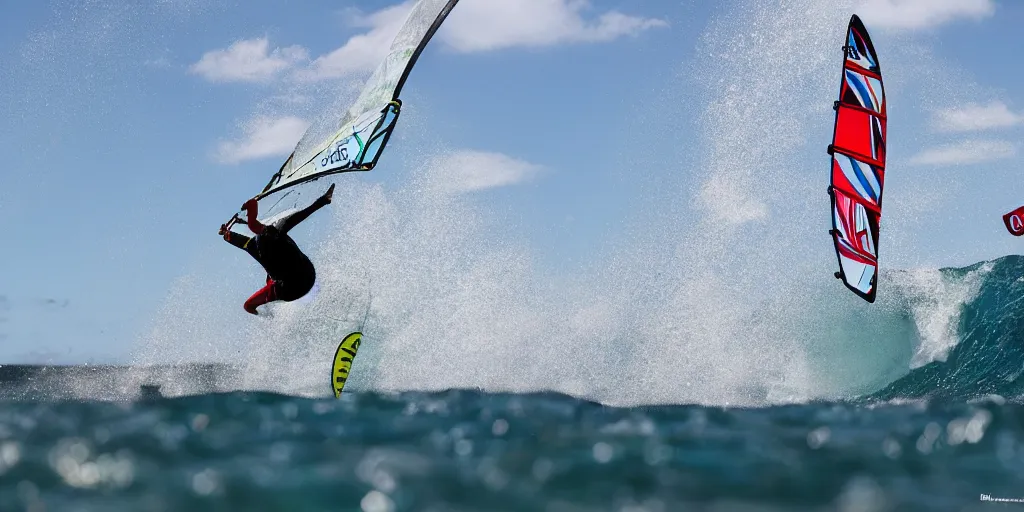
(294, 219)
(235, 239)
(251, 208)
(240, 241)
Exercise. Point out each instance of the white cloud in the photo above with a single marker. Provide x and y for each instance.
(920, 14)
(468, 170)
(495, 24)
(362, 52)
(248, 60)
(264, 137)
(480, 25)
(965, 153)
(974, 117)
(476, 26)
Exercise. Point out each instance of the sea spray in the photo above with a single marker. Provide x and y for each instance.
(729, 300)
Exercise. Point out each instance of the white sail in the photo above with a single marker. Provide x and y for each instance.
(363, 130)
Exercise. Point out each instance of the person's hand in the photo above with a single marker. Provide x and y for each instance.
(223, 231)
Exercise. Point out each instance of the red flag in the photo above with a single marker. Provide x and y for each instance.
(1015, 221)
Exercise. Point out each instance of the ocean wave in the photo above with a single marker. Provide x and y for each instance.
(972, 337)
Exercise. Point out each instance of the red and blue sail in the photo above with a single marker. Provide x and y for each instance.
(858, 163)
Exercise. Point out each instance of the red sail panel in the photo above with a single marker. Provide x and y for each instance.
(859, 133)
(1015, 221)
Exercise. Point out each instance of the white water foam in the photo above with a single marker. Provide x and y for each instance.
(737, 307)
(936, 301)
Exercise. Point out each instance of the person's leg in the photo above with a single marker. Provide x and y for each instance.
(295, 289)
(263, 296)
(289, 222)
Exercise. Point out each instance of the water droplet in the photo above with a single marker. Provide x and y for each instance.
(500, 427)
(383, 481)
(464, 447)
(376, 501)
(10, 454)
(975, 428)
(818, 437)
(199, 422)
(603, 452)
(204, 483)
(79, 452)
(928, 437)
(862, 494)
(891, 448)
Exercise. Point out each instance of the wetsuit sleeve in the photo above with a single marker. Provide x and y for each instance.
(241, 241)
(294, 219)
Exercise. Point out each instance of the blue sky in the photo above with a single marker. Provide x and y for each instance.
(131, 132)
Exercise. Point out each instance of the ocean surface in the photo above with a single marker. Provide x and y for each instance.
(683, 349)
(945, 435)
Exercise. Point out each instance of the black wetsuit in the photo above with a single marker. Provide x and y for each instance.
(290, 274)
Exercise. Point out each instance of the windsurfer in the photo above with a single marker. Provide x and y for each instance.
(290, 274)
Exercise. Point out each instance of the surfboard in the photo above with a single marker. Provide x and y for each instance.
(346, 351)
(343, 358)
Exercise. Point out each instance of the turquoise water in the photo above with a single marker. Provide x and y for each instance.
(937, 437)
(465, 450)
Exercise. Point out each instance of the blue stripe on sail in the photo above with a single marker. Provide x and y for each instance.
(854, 79)
(864, 180)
